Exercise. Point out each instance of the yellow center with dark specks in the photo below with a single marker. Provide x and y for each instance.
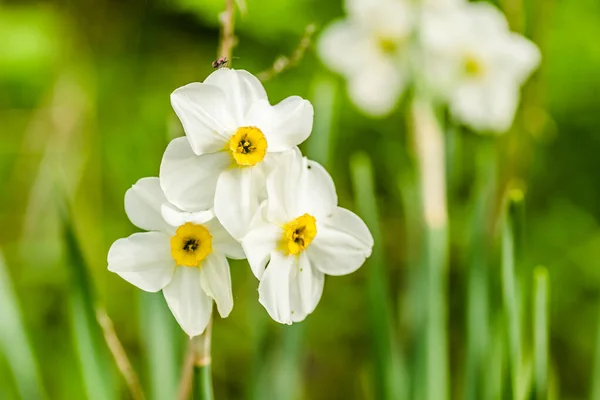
(298, 234)
(248, 146)
(191, 244)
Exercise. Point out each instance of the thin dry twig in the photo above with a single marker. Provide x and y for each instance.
(228, 39)
(118, 352)
(283, 63)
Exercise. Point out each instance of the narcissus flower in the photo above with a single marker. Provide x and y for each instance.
(183, 255)
(369, 48)
(232, 135)
(477, 65)
(300, 234)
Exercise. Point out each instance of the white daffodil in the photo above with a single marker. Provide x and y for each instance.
(369, 48)
(232, 134)
(476, 64)
(183, 255)
(298, 235)
(431, 5)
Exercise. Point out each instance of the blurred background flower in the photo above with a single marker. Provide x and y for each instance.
(85, 112)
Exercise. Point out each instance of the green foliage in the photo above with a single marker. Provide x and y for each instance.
(84, 106)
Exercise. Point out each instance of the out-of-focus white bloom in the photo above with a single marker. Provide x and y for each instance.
(298, 235)
(431, 5)
(183, 255)
(369, 48)
(475, 63)
(232, 134)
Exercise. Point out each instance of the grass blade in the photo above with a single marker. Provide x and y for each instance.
(95, 367)
(511, 312)
(14, 342)
(478, 285)
(388, 373)
(595, 390)
(540, 289)
(161, 345)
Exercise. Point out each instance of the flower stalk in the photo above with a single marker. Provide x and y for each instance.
(202, 376)
(431, 164)
(228, 40)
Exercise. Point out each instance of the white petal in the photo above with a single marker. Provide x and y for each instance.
(274, 288)
(143, 259)
(318, 197)
(306, 289)
(483, 18)
(469, 104)
(377, 89)
(285, 124)
(237, 197)
(342, 244)
(344, 47)
(176, 217)
(504, 107)
(518, 58)
(204, 113)
(298, 186)
(143, 202)
(387, 18)
(241, 88)
(223, 242)
(215, 279)
(189, 180)
(489, 106)
(190, 305)
(262, 238)
(282, 187)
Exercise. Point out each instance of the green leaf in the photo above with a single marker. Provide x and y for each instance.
(14, 342)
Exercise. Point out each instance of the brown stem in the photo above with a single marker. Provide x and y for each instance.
(116, 348)
(283, 63)
(228, 39)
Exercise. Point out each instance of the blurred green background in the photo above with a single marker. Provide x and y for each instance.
(85, 112)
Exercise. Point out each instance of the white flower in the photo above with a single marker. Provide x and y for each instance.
(298, 235)
(183, 255)
(232, 134)
(477, 64)
(369, 48)
(440, 4)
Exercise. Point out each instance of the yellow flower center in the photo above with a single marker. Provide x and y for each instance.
(191, 244)
(388, 45)
(298, 234)
(248, 146)
(473, 66)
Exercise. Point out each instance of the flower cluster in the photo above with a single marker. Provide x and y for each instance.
(463, 54)
(237, 186)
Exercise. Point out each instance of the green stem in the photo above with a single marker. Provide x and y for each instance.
(541, 332)
(429, 149)
(202, 375)
(203, 382)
